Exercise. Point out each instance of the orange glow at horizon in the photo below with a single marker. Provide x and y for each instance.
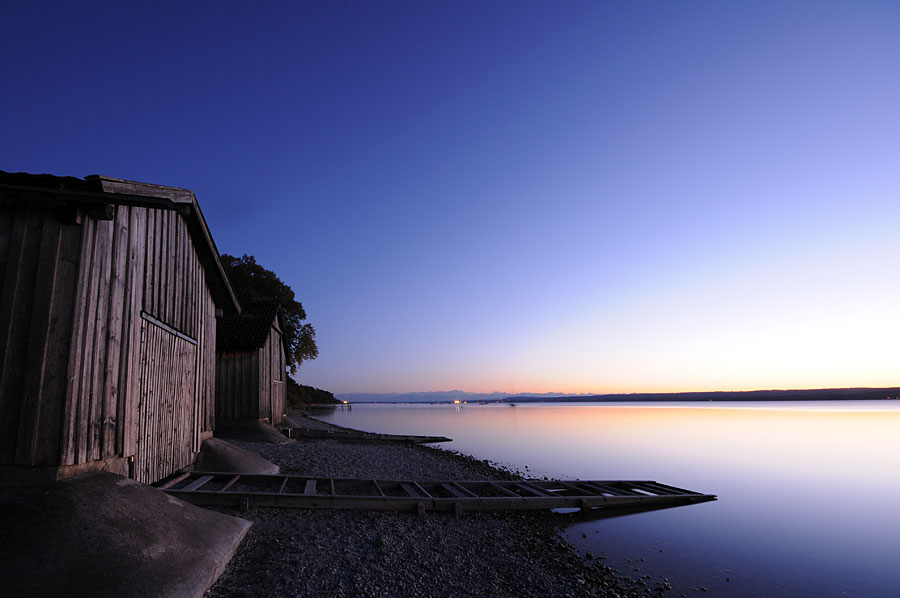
(826, 319)
(570, 387)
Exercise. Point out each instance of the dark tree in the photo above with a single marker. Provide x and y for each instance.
(252, 283)
(298, 395)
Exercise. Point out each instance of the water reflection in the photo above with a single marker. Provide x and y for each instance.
(319, 410)
(806, 491)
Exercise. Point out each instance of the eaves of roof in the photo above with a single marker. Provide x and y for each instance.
(98, 190)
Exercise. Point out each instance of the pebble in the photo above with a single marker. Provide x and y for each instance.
(295, 552)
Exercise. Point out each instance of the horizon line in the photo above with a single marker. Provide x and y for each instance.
(655, 392)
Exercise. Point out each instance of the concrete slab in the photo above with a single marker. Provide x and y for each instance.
(294, 421)
(102, 535)
(251, 430)
(219, 455)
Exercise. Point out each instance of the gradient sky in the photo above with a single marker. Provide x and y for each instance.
(510, 196)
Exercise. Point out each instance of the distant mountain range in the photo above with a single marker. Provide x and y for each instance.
(448, 396)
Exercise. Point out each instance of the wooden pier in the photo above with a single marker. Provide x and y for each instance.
(246, 490)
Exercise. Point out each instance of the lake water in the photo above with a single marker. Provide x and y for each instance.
(809, 493)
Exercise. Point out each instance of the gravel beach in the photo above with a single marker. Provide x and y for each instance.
(296, 552)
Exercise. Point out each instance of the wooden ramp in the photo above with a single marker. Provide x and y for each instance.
(246, 490)
(357, 435)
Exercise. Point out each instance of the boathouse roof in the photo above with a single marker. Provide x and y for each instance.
(96, 193)
(249, 329)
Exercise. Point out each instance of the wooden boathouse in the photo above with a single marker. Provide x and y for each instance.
(109, 291)
(250, 365)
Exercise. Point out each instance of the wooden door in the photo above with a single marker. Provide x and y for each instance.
(167, 405)
(277, 392)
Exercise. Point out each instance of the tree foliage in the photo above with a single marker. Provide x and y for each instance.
(298, 395)
(252, 284)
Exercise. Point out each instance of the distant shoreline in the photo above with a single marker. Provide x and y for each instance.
(821, 394)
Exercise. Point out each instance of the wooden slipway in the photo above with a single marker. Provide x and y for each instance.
(246, 490)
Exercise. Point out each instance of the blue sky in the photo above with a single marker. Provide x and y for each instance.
(510, 196)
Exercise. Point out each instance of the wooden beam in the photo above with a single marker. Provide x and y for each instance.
(197, 484)
(230, 483)
(173, 481)
(651, 487)
(462, 489)
(410, 491)
(457, 493)
(603, 488)
(575, 488)
(505, 491)
(168, 328)
(532, 489)
(672, 488)
(421, 490)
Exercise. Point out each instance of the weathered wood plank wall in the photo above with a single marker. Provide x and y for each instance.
(38, 272)
(271, 378)
(263, 391)
(250, 384)
(71, 367)
(237, 375)
(206, 361)
(147, 254)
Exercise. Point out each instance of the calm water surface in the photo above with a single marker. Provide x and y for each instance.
(809, 493)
